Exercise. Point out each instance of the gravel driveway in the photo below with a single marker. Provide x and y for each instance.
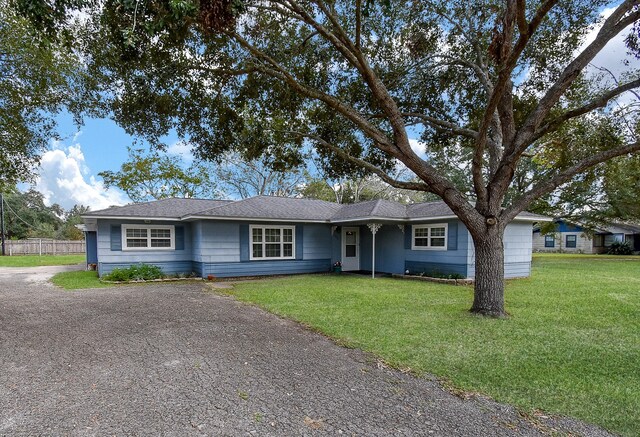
(176, 360)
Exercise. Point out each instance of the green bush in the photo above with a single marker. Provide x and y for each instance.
(439, 275)
(620, 248)
(138, 272)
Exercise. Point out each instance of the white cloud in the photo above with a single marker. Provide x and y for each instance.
(182, 149)
(613, 56)
(61, 180)
(418, 147)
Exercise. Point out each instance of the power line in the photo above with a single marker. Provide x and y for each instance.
(19, 218)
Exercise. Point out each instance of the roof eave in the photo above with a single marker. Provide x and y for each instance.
(369, 218)
(261, 219)
(130, 217)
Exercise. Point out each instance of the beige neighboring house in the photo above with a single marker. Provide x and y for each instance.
(569, 237)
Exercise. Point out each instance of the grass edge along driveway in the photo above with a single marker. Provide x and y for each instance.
(37, 260)
(571, 347)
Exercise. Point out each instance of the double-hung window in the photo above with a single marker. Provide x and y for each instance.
(148, 237)
(429, 237)
(272, 242)
(549, 241)
(571, 241)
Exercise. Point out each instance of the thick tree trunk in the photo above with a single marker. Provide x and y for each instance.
(488, 299)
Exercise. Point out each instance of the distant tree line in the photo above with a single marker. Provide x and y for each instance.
(27, 216)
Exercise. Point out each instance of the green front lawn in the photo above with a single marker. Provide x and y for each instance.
(78, 280)
(572, 345)
(44, 260)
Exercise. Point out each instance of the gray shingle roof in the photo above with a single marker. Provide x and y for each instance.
(372, 208)
(278, 208)
(283, 208)
(533, 216)
(428, 210)
(164, 208)
(621, 228)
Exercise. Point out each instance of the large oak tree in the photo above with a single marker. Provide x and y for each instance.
(496, 86)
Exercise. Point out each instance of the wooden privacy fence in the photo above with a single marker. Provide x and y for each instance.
(37, 246)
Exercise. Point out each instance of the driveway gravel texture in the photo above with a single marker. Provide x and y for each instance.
(169, 359)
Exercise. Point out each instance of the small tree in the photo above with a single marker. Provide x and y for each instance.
(149, 176)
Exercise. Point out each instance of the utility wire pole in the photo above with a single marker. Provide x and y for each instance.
(2, 232)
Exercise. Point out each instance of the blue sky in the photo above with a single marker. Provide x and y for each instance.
(68, 173)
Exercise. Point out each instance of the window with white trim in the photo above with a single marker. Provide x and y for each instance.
(429, 237)
(272, 242)
(549, 240)
(148, 237)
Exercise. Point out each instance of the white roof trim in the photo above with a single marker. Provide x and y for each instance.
(532, 219)
(252, 219)
(349, 220)
(361, 219)
(131, 217)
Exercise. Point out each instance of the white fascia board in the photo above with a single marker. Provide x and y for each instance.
(364, 219)
(252, 219)
(440, 217)
(450, 217)
(129, 217)
(532, 219)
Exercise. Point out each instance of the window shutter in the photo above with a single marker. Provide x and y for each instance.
(407, 236)
(452, 238)
(179, 237)
(299, 241)
(244, 242)
(116, 237)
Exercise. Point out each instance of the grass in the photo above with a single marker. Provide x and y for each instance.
(78, 280)
(44, 260)
(572, 345)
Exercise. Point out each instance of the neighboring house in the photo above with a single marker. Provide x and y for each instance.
(569, 237)
(276, 235)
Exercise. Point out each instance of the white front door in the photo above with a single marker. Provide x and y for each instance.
(350, 249)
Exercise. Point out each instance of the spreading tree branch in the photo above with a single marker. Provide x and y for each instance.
(564, 176)
(622, 17)
(599, 102)
(418, 186)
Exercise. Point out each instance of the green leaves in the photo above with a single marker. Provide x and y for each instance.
(150, 176)
(37, 79)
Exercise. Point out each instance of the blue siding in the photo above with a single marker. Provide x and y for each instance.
(179, 237)
(116, 237)
(407, 237)
(198, 268)
(452, 236)
(365, 248)
(389, 249)
(196, 241)
(220, 241)
(244, 242)
(452, 260)
(430, 268)
(517, 270)
(336, 245)
(222, 249)
(265, 268)
(91, 238)
(316, 239)
(517, 251)
(106, 240)
(299, 242)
